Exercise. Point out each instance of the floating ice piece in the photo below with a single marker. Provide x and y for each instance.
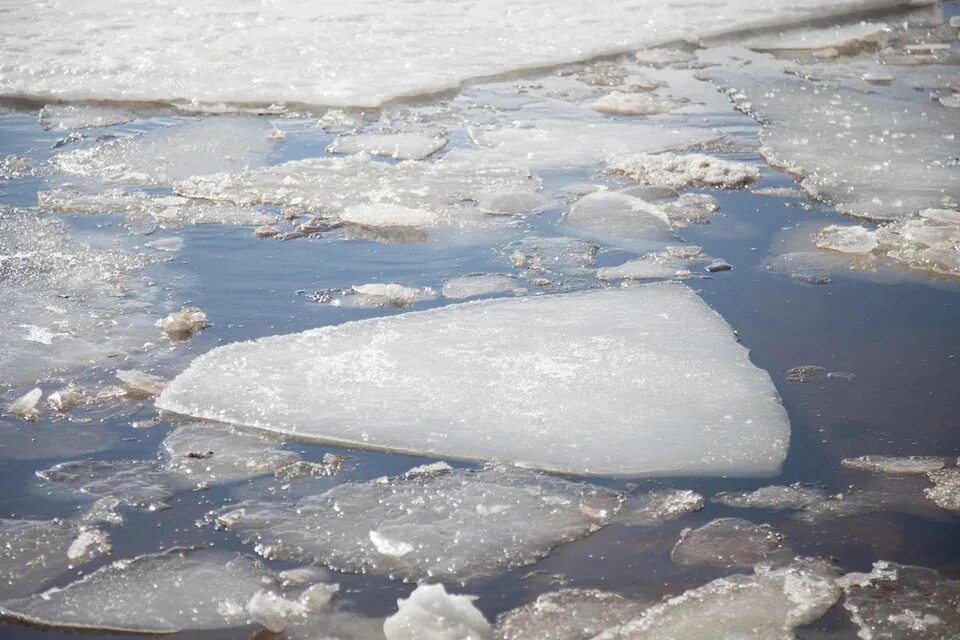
(400, 146)
(847, 505)
(208, 454)
(661, 505)
(133, 482)
(944, 216)
(663, 56)
(431, 469)
(682, 171)
(951, 100)
(168, 154)
(726, 542)
(569, 614)
(15, 167)
(303, 575)
(141, 384)
(846, 239)
(382, 214)
(449, 190)
(512, 203)
(900, 602)
(824, 42)
(692, 207)
(171, 245)
(882, 78)
(806, 373)
(718, 265)
(603, 74)
(430, 613)
(794, 496)
(184, 324)
(621, 221)
(579, 389)
(275, 612)
(33, 552)
(480, 284)
(618, 103)
(70, 117)
(90, 543)
(166, 593)
(24, 407)
(386, 295)
(893, 465)
(169, 211)
(40, 334)
(922, 244)
(105, 510)
(648, 267)
(563, 256)
(770, 604)
(946, 490)
(778, 192)
(503, 518)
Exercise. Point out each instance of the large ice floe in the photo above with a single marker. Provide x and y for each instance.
(454, 525)
(564, 383)
(358, 54)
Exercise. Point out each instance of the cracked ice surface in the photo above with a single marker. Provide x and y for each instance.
(348, 54)
(460, 525)
(563, 383)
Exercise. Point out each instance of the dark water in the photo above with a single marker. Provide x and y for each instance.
(901, 339)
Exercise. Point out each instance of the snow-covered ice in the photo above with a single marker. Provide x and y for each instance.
(568, 377)
(680, 171)
(430, 613)
(384, 214)
(460, 525)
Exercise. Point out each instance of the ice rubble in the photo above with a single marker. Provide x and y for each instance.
(167, 154)
(568, 376)
(74, 296)
(621, 221)
(430, 613)
(400, 146)
(946, 490)
(70, 117)
(359, 54)
(418, 527)
(680, 171)
(569, 614)
(726, 542)
(33, 552)
(894, 465)
(165, 593)
(481, 284)
(769, 605)
(329, 186)
(899, 602)
(167, 211)
(658, 506)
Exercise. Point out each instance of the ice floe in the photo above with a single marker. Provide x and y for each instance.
(165, 593)
(568, 376)
(620, 221)
(400, 146)
(184, 324)
(403, 527)
(569, 614)
(680, 171)
(894, 465)
(561, 255)
(658, 506)
(649, 267)
(481, 284)
(430, 613)
(794, 496)
(138, 483)
(726, 542)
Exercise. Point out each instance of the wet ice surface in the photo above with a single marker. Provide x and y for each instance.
(513, 200)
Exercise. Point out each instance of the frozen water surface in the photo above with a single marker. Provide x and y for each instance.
(569, 377)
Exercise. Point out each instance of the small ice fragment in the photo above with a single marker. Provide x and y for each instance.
(682, 171)
(946, 490)
(24, 407)
(432, 469)
(794, 496)
(569, 614)
(512, 203)
(105, 510)
(893, 465)
(383, 214)
(184, 324)
(213, 454)
(882, 78)
(431, 613)
(618, 103)
(387, 295)
(698, 208)
(718, 265)
(273, 611)
(566, 256)
(89, 544)
(133, 482)
(661, 57)
(388, 547)
(171, 245)
(950, 100)
(848, 505)
(655, 507)
(141, 384)
(480, 284)
(944, 216)
(846, 239)
(40, 335)
(400, 146)
(64, 117)
(266, 231)
(650, 266)
(805, 373)
(303, 575)
(621, 221)
(777, 192)
(15, 167)
(841, 375)
(728, 542)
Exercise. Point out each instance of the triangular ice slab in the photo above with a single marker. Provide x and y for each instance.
(644, 380)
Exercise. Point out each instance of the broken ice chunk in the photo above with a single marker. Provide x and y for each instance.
(90, 543)
(431, 612)
(70, 117)
(564, 256)
(794, 496)
(400, 146)
(718, 265)
(620, 221)
(184, 324)
(648, 267)
(170, 245)
(698, 208)
(24, 407)
(15, 167)
(656, 507)
(821, 42)
(165, 593)
(572, 381)
(856, 503)
(503, 518)
(726, 542)
(384, 214)
(682, 171)
(134, 482)
(882, 78)
(900, 602)
(806, 373)
(893, 465)
(385, 295)
(946, 490)
(663, 56)
(846, 239)
(141, 384)
(618, 103)
(33, 552)
(104, 510)
(769, 604)
(569, 614)
(480, 284)
(512, 203)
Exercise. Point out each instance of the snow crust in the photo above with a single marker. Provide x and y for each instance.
(568, 377)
